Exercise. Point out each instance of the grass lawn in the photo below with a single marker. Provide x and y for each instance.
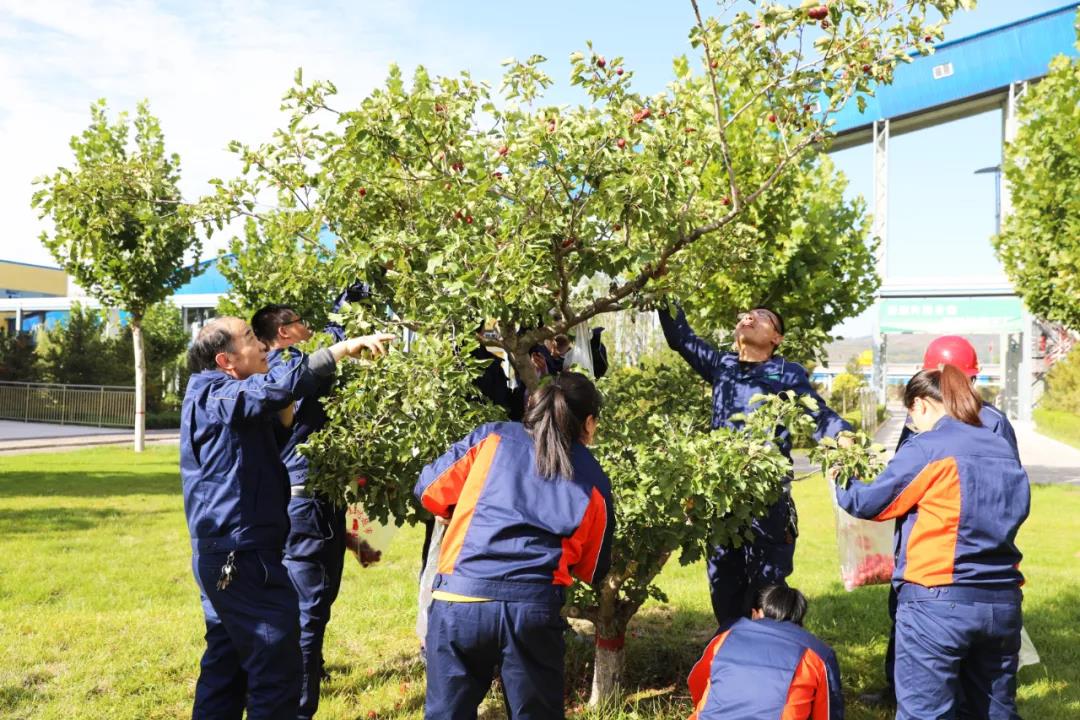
(1060, 425)
(100, 617)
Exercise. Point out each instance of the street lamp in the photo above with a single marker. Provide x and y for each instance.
(996, 170)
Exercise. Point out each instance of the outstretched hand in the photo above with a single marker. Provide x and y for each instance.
(371, 343)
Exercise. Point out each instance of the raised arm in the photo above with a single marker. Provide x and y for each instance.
(701, 355)
(828, 421)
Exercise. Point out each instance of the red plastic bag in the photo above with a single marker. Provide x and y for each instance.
(865, 548)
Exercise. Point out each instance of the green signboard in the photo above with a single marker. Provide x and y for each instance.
(942, 316)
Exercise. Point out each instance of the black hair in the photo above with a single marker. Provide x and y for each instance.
(950, 387)
(555, 418)
(266, 321)
(212, 339)
(781, 602)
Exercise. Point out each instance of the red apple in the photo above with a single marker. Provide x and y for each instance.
(621, 143)
(468, 219)
(503, 151)
(772, 117)
(362, 192)
(600, 61)
(618, 71)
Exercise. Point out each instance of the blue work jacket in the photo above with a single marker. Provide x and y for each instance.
(992, 419)
(734, 382)
(310, 415)
(961, 496)
(514, 535)
(236, 488)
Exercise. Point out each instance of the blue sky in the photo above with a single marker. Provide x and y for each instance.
(214, 71)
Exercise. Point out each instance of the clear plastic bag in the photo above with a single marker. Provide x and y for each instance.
(427, 580)
(865, 548)
(366, 538)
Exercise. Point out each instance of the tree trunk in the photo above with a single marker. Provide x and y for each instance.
(140, 382)
(610, 653)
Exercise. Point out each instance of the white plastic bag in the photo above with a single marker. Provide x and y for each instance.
(581, 353)
(1028, 654)
(427, 580)
(865, 548)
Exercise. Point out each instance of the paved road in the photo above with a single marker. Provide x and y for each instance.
(1047, 461)
(21, 437)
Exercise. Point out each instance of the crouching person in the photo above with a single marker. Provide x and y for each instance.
(768, 667)
(236, 491)
(528, 507)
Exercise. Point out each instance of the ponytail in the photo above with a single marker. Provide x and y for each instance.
(555, 418)
(950, 387)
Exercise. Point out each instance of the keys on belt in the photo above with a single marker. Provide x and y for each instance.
(299, 491)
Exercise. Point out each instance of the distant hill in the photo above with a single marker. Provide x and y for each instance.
(908, 348)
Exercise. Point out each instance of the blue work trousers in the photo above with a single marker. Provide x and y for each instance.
(314, 557)
(252, 656)
(955, 640)
(736, 575)
(467, 641)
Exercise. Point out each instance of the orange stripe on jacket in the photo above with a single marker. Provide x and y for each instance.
(581, 551)
(466, 503)
(931, 545)
(700, 678)
(443, 493)
(808, 694)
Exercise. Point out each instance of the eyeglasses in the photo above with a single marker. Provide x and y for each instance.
(757, 315)
(302, 321)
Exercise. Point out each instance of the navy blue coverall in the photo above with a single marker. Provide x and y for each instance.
(736, 574)
(515, 541)
(236, 492)
(961, 496)
(999, 424)
(315, 549)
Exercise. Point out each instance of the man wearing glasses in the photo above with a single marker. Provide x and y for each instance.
(737, 574)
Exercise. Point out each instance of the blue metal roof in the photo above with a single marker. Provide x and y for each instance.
(980, 64)
(210, 280)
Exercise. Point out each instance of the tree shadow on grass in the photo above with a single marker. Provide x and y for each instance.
(392, 689)
(53, 483)
(24, 695)
(40, 521)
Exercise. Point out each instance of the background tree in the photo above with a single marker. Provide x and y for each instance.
(460, 205)
(18, 363)
(119, 226)
(75, 352)
(1039, 243)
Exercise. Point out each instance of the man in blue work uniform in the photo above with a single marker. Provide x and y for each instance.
(736, 575)
(944, 350)
(235, 498)
(315, 548)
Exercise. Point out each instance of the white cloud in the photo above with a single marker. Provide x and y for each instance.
(213, 72)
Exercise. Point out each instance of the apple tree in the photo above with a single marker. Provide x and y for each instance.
(489, 217)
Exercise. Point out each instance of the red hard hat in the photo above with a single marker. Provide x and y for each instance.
(951, 350)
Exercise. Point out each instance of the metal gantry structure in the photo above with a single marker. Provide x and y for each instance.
(984, 72)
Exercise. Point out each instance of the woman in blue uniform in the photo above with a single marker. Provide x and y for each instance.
(960, 495)
(529, 508)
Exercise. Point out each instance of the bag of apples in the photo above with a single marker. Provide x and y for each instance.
(866, 550)
(365, 537)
